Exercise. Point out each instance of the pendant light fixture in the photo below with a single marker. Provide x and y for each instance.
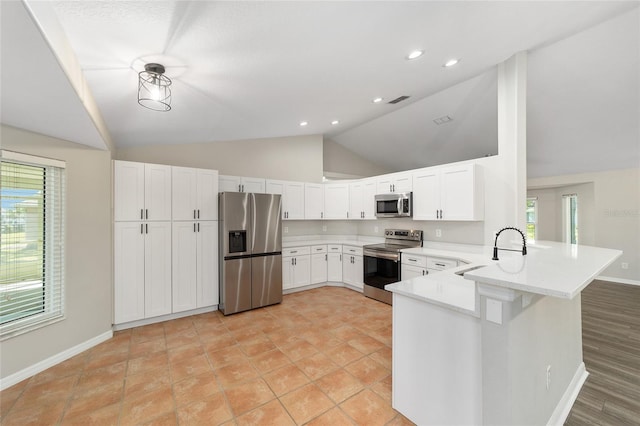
(154, 91)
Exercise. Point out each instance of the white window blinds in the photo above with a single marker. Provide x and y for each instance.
(32, 192)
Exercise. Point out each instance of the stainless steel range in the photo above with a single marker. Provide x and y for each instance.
(382, 261)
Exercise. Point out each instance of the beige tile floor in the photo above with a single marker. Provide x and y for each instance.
(321, 357)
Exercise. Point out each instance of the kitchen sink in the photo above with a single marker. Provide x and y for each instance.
(473, 268)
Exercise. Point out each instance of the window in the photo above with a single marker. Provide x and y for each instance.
(32, 193)
(532, 218)
(570, 218)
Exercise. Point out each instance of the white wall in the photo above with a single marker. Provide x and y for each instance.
(338, 159)
(88, 284)
(289, 158)
(612, 214)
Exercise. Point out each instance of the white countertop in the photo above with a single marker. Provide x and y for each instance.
(550, 269)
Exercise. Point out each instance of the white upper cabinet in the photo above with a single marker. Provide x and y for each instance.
(143, 191)
(195, 194)
(313, 201)
(336, 201)
(292, 197)
(361, 199)
(449, 193)
(395, 182)
(228, 183)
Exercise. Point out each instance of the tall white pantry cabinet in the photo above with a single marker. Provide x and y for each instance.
(159, 268)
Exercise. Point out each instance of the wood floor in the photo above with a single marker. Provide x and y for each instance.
(611, 351)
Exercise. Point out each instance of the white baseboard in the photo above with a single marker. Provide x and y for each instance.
(562, 410)
(34, 369)
(619, 280)
(162, 318)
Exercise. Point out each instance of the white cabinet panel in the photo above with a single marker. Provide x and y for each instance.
(334, 267)
(362, 199)
(369, 191)
(313, 201)
(410, 271)
(336, 201)
(296, 271)
(195, 194)
(228, 183)
(128, 271)
(195, 265)
(292, 197)
(142, 191)
(207, 189)
(352, 269)
(449, 193)
(396, 182)
(157, 269)
(157, 192)
(128, 182)
(207, 264)
(184, 193)
(318, 268)
(184, 266)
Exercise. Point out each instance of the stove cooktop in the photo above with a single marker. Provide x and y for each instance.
(389, 247)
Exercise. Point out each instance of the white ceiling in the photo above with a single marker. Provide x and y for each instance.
(244, 70)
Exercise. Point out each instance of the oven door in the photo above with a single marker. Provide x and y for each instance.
(381, 268)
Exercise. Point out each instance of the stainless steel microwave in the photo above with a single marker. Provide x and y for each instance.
(394, 204)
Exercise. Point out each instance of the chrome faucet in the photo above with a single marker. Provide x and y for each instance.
(495, 244)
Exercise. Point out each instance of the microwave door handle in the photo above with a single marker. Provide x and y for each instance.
(399, 205)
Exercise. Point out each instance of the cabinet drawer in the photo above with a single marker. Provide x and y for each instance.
(411, 259)
(318, 249)
(335, 248)
(441, 264)
(352, 250)
(295, 251)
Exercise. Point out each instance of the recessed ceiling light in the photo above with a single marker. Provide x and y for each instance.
(415, 54)
(334, 122)
(451, 62)
(303, 123)
(377, 100)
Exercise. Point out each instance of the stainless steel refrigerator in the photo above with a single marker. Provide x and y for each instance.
(250, 251)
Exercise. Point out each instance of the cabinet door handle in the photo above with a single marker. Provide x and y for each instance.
(347, 215)
(295, 261)
(141, 228)
(198, 213)
(441, 264)
(141, 214)
(340, 258)
(318, 249)
(198, 227)
(326, 257)
(294, 251)
(146, 227)
(440, 214)
(194, 227)
(194, 213)
(146, 213)
(412, 260)
(321, 215)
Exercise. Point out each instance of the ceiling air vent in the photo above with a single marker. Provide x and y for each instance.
(442, 120)
(398, 99)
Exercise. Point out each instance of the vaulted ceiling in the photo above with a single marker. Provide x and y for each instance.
(243, 70)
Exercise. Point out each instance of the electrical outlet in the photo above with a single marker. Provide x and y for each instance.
(548, 376)
(375, 229)
(625, 265)
(438, 232)
(324, 228)
(286, 229)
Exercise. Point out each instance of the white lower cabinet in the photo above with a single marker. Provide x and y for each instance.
(318, 264)
(412, 266)
(334, 263)
(352, 266)
(296, 267)
(142, 270)
(195, 265)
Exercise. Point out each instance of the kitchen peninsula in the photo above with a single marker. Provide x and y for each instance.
(493, 342)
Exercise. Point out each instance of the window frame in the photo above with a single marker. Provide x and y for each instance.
(535, 216)
(53, 257)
